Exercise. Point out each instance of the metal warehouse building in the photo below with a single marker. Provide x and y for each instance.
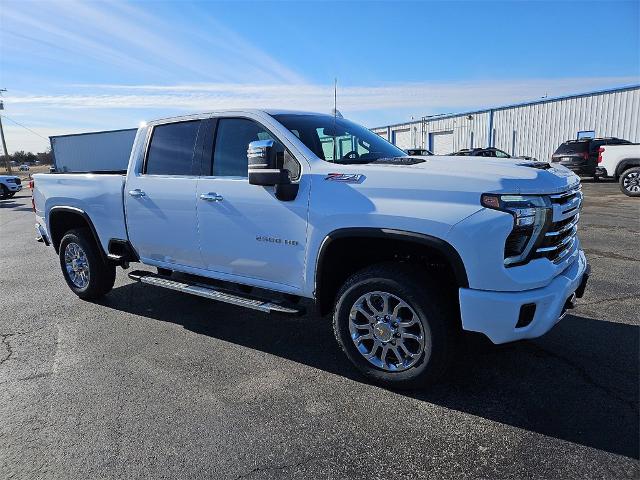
(533, 129)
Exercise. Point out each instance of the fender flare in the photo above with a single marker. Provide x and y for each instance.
(622, 164)
(442, 246)
(86, 218)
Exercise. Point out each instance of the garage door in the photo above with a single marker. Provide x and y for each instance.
(401, 138)
(442, 142)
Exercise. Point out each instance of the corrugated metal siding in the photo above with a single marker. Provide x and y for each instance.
(539, 128)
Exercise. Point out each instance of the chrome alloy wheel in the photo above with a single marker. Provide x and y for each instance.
(631, 182)
(386, 331)
(77, 265)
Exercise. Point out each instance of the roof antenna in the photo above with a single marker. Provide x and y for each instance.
(335, 114)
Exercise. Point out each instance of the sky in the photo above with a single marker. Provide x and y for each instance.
(72, 67)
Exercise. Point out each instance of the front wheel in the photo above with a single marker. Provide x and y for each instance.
(88, 275)
(630, 182)
(395, 325)
(4, 192)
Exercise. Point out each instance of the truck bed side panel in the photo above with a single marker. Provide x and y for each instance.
(99, 196)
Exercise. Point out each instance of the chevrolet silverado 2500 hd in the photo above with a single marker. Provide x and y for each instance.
(262, 208)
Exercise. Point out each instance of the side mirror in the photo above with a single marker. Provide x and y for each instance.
(264, 167)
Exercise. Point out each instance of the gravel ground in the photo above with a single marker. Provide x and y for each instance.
(149, 383)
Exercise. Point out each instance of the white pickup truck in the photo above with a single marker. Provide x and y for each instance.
(263, 208)
(9, 185)
(622, 162)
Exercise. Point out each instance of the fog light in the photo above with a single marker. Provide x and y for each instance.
(527, 312)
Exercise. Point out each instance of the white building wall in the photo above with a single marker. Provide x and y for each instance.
(535, 129)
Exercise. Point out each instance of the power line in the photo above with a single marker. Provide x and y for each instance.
(25, 127)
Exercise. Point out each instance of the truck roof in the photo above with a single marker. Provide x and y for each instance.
(268, 111)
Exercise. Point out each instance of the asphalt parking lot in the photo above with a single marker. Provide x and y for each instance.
(149, 383)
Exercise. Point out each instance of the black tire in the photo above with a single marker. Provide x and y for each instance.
(101, 274)
(630, 179)
(4, 192)
(435, 312)
(11, 194)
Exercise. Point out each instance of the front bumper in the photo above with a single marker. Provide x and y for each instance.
(497, 314)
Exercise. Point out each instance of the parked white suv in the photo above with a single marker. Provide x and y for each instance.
(404, 252)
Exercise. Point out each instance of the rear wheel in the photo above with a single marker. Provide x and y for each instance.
(88, 275)
(630, 182)
(395, 326)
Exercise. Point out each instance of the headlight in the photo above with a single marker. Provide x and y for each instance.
(530, 213)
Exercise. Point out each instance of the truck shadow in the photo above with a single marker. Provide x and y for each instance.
(578, 383)
(15, 206)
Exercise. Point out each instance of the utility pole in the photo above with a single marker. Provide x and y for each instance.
(7, 163)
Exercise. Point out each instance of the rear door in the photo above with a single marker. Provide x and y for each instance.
(246, 233)
(160, 198)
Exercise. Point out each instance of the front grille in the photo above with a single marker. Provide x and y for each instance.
(559, 238)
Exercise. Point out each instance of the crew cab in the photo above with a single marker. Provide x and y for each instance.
(264, 208)
(9, 185)
(621, 162)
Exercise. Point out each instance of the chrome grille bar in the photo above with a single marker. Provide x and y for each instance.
(568, 226)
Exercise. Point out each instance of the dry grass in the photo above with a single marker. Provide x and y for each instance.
(25, 175)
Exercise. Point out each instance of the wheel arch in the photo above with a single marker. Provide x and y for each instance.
(64, 218)
(626, 164)
(342, 244)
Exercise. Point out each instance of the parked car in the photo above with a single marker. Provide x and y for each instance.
(488, 152)
(581, 156)
(621, 162)
(482, 152)
(9, 186)
(24, 167)
(418, 152)
(276, 206)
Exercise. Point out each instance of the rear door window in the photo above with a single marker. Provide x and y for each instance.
(172, 148)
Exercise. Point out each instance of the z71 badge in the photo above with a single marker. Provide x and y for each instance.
(345, 177)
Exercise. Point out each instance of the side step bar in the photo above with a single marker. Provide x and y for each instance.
(206, 291)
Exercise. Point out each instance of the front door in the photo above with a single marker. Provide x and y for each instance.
(246, 233)
(160, 200)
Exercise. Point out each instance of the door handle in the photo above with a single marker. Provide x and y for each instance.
(137, 193)
(211, 197)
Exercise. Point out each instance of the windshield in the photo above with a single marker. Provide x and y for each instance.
(338, 140)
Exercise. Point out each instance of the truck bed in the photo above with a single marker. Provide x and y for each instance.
(98, 195)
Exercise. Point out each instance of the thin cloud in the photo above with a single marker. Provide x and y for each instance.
(426, 97)
(121, 37)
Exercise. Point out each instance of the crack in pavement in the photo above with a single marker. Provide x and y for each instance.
(266, 469)
(588, 378)
(5, 342)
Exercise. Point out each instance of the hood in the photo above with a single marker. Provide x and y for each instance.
(472, 174)
(4, 177)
